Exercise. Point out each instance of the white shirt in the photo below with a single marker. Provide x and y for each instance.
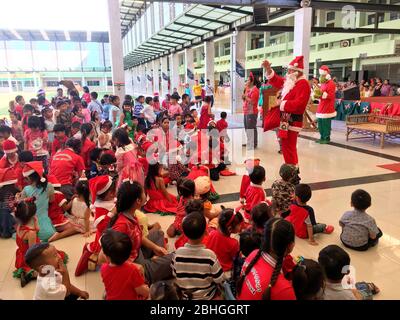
(209, 90)
(149, 114)
(50, 288)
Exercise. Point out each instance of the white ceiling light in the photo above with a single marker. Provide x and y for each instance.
(89, 36)
(67, 36)
(44, 35)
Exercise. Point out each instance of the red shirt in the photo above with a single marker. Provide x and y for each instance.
(251, 107)
(297, 218)
(56, 213)
(222, 125)
(58, 145)
(204, 117)
(254, 195)
(257, 281)
(87, 147)
(64, 164)
(121, 281)
(130, 226)
(36, 142)
(225, 248)
(19, 110)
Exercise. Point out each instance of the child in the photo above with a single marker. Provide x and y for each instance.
(260, 214)
(60, 138)
(148, 112)
(36, 140)
(221, 243)
(62, 115)
(49, 123)
(160, 201)
(80, 209)
(16, 129)
(44, 193)
(28, 112)
(303, 218)
(359, 230)
(307, 279)
(77, 115)
(56, 286)
(126, 118)
(195, 115)
(87, 132)
(105, 136)
(95, 155)
(174, 108)
(283, 190)
(203, 189)
(8, 190)
(26, 236)
(103, 191)
(19, 105)
(205, 114)
(122, 279)
(10, 158)
(76, 130)
(186, 191)
(201, 283)
(261, 277)
(24, 157)
(245, 184)
(107, 165)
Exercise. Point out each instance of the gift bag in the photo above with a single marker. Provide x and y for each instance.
(272, 119)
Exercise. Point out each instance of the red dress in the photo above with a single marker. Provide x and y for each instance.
(87, 147)
(180, 214)
(157, 202)
(204, 117)
(130, 226)
(56, 213)
(225, 248)
(23, 247)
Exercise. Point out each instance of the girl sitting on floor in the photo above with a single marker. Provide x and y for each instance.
(160, 201)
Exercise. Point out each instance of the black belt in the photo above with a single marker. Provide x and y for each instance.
(296, 118)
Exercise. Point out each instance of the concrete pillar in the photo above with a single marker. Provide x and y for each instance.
(164, 74)
(238, 67)
(315, 71)
(156, 75)
(189, 67)
(174, 71)
(343, 72)
(117, 59)
(356, 64)
(209, 52)
(302, 35)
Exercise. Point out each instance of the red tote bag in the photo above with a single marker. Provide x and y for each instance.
(272, 119)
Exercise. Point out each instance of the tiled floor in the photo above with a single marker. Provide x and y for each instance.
(319, 163)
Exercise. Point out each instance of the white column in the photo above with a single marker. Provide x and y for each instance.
(128, 81)
(209, 52)
(174, 68)
(302, 35)
(164, 72)
(117, 59)
(238, 63)
(156, 75)
(189, 67)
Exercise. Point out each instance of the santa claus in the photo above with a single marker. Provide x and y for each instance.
(326, 108)
(292, 102)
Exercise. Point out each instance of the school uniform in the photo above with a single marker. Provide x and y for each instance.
(56, 213)
(255, 194)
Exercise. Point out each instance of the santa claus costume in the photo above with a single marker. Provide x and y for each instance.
(10, 158)
(8, 179)
(326, 108)
(295, 96)
(104, 211)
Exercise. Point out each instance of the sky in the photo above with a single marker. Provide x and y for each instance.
(71, 15)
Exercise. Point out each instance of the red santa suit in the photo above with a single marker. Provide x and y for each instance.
(250, 164)
(295, 97)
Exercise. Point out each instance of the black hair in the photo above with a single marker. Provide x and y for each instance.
(116, 245)
(207, 99)
(152, 173)
(33, 257)
(249, 241)
(95, 154)
(122, 137)
(148, 100)
(129, 98)
(37, 180)
(156, 99)
(59, 128)
(25, 156)
(18, 98)
(33, 100)
(107, 159)
(228, 218)
(332, 260)
(106, 96)
(60, 103)
(223, 115)
(278, 235)
(194, 225)
(361, 200)
(128, 194)
(94, 95)
(260, 214)
(74, 144)
(41, 100)
(257, 176)
(25, 211)
(194, 205)
(106, 124)
(76, 125)
(303, 192)
(163, 290)
(35, 122)
(184, 96)
(307, 279)
(86, 128)
(86, 89)
(138, 98)
(5, 129)
(82, 188)
(113, 99)
(28, 107)
(185, 187)
(76, 99)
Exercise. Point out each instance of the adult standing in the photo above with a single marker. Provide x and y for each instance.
(386, 89)
(326, 108)
(377, 88)
(209, 91)
(197, 90)
(250, 110)
(292, 103)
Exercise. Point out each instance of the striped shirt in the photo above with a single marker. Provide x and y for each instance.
(197, 272)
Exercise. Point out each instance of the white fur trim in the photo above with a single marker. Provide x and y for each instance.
(282, 106)
(6, 183)
(42, 180)
(56, 185)
(270, 76)
(323, 72)
(108, 205)
(328, 77)
(293, 128)
(295, 65)
(10, 151)
(326, 115)
(28, 173)
(62, 202)
(100, 219)
(324, 95)
(108, 185)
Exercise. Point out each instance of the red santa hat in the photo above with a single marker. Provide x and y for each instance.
(325, 71)
(54, 181)
(7, 177)
(156, 94)
(99, 185)
(297, 64)
(9, 146)
(32, 167)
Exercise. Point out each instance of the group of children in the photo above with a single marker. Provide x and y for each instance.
(69, 168)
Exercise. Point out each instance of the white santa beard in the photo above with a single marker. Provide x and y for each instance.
(289, 83)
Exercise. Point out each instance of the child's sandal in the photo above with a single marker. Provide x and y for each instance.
(374, 289)
(92, 262)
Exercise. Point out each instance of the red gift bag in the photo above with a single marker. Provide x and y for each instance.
(272, 119)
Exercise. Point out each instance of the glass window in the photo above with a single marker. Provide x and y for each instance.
(178, 9)
(166, 13)
(156, 16)
(227, 48)
(3, 57)
(109, 83)
(93, 83)
(52, 84)
(29, 83)
(256, 41)
(19, 56)
(149, 26)
(69, 56)
(330, 16)
(142, 29)
(4, 84)
(107, 56)
(92, 56)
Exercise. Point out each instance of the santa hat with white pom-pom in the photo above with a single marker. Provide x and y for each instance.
(34, 167)
(325, 71)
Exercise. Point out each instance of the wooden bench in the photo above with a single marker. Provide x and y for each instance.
(373, 124)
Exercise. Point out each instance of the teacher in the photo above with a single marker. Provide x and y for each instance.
(250, 110)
